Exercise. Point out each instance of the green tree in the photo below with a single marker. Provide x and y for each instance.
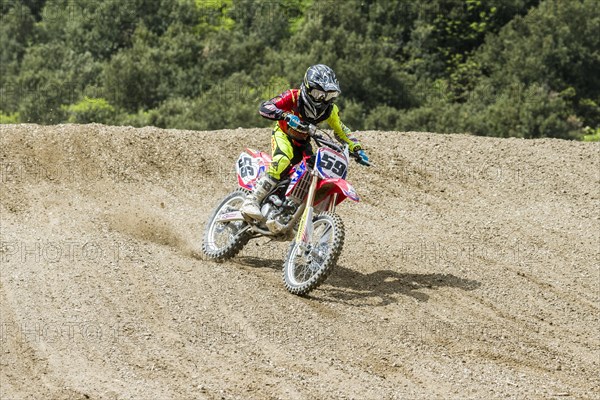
(51, 76)
(16, 31)
(523, 68)
(132, 77)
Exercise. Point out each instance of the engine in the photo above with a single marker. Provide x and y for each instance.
(278, 212)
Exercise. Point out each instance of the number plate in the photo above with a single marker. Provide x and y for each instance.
(247, 168)
(331, 164)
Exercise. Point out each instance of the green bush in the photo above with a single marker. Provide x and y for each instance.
(139, 119)
(591, 135)
(530, 112)
(90, 110)
(9, 118)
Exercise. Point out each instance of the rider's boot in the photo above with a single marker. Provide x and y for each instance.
(251, 206)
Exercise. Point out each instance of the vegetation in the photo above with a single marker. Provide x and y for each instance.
(519, 68)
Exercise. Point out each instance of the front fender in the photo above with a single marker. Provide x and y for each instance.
(343, 188)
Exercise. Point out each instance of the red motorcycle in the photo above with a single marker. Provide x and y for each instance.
(301, 208)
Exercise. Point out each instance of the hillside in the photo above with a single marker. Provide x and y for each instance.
(470, 270)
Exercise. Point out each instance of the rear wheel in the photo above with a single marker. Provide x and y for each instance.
(223, 240)
(306, 267)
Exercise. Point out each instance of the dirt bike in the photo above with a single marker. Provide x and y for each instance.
(300, 208)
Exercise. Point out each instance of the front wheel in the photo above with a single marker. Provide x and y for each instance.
(306, 267)
(223, 240)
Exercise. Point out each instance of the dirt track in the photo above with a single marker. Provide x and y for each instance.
(470, 270)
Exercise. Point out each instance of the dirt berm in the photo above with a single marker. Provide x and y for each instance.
(470, 270)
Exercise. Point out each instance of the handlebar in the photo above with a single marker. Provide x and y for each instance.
(311, 130)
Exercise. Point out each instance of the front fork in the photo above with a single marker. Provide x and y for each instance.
(305, 227)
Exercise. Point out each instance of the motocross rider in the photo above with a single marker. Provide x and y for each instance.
(293, 109)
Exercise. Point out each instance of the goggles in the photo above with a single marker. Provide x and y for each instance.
(320, 95)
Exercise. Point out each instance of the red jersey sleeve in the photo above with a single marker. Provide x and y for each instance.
(274, 108)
